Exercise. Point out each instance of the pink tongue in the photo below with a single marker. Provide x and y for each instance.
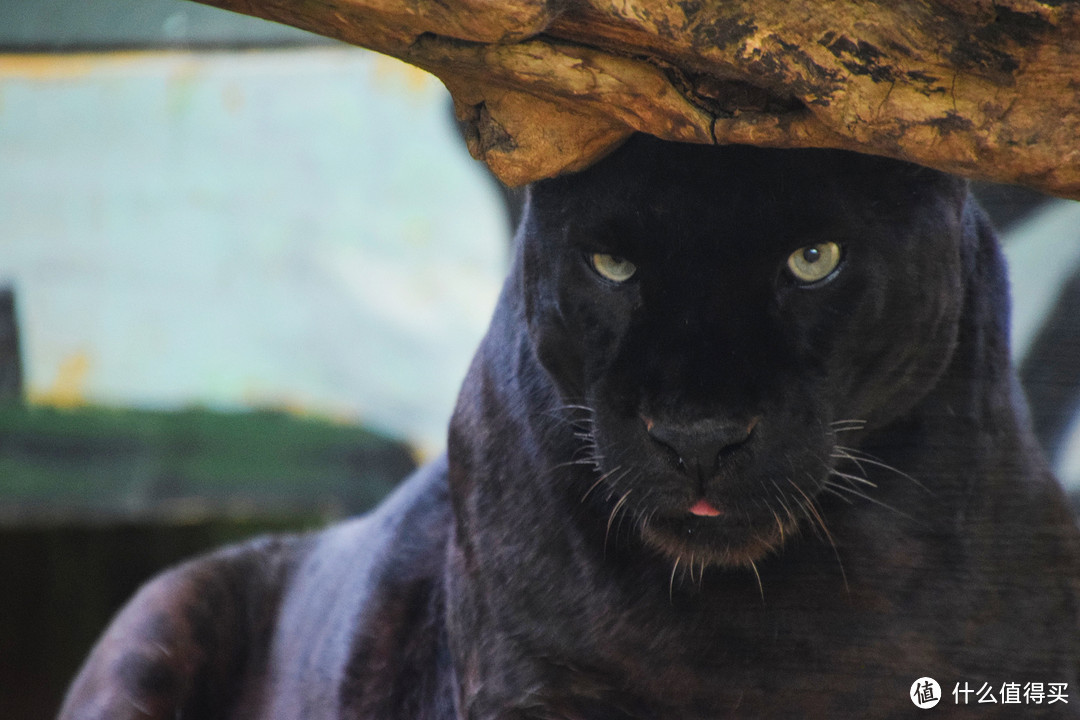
(704, 508)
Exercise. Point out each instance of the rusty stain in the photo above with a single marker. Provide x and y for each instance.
(68, 389)
(392, 73)
(35, 66)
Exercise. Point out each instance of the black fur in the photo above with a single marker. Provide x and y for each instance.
(884, 513)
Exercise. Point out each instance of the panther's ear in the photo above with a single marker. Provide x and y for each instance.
(176, 649)
(987, 301)
(981, 249)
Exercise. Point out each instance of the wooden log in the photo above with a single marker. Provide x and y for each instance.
(986, 89)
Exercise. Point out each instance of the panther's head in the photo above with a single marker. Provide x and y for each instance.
(718, 318)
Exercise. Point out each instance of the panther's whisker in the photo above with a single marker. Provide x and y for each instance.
(811, 506)
(841, 453)
(761, 588)
(611, 518)
(875, 501)
(779, 524)
(630, 510)
(840, 426)
(645, 518)
(860, 456)
(780, 497)
(671, 582)
(560, 415)
(829, 488)
(579, 461)
(596, 484)
(604, 477)
(808, 518)
(854, 478)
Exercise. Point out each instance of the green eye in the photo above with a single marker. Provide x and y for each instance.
(814, 262)
(612, 267)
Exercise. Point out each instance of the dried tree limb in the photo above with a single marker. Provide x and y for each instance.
(980, 88)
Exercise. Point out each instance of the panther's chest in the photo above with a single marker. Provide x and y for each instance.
(823, 635)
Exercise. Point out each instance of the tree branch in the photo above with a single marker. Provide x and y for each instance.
(985, 89)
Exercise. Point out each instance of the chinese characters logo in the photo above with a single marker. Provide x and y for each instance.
(925, 693)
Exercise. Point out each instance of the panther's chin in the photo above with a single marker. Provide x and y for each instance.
(704, 540)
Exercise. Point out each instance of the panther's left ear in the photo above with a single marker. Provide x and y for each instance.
(962, 189)
(986, 281)
(978, 228)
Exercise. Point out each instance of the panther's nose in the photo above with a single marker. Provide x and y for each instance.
(700, 444)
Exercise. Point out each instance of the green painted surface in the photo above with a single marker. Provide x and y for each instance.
(94, 464)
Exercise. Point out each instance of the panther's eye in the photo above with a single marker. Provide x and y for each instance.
(814, 262)
(612, 267)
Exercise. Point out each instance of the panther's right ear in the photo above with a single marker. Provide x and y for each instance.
(526, 264)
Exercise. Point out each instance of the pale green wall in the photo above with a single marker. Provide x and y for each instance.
(297, 228)
(60, 24)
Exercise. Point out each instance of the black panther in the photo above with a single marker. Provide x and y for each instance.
(742, 441)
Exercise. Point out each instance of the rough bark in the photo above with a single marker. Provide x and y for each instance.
(980, 88)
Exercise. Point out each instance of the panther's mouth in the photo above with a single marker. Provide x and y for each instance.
(710, 533)
(715, 491)
(697, 544)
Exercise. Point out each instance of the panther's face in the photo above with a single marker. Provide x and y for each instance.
(723, 322)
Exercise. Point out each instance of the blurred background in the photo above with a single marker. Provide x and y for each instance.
(242, 272)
